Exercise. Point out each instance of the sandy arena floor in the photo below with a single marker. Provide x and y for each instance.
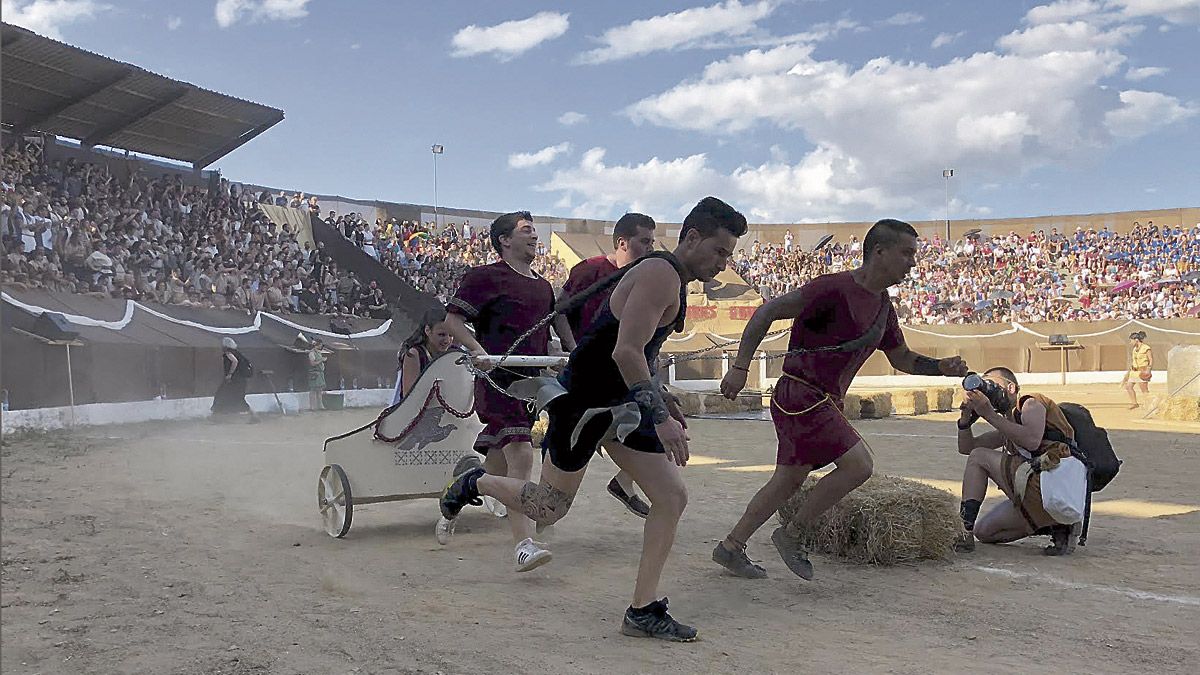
(197, 548)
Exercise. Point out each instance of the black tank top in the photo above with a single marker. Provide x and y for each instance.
(591, 375)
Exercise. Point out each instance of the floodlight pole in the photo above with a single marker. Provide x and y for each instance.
(70, 383)
(947, 174)
(437, 150)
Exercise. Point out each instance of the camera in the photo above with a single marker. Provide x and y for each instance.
(995, 393)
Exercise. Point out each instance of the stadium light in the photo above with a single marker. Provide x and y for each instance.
(437, 150)
(947, 174)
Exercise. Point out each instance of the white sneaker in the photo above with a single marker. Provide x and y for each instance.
(529, 555)
(496, 507)
(443, 530)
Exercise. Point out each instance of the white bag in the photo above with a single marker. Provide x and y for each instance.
(1064, 491)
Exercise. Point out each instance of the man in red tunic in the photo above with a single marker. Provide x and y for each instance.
(833, 309)
(633, 237)
(502, 301)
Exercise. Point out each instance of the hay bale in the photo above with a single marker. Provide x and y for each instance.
(877, 405)
(539, 431)
(690, 403)
(852, 407)
(1183, 409)
(886, 521)
(747, 401)
(941, 399)
(910, 402)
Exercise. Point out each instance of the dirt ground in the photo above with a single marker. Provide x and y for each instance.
(197, 548)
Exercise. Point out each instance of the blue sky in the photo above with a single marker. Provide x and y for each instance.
(791, 110)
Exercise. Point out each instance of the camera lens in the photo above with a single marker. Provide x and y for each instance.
(972, 382)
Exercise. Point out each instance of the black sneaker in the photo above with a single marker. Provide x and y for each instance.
(460, 492)
(652, 621)
(965, 543)
(793, 554)
(633, 502)
(737, 562)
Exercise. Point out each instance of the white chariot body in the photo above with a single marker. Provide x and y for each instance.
(410, 450)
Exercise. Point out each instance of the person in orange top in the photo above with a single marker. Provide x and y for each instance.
(1140, 364)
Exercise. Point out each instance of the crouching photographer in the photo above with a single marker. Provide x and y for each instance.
(1013, 455)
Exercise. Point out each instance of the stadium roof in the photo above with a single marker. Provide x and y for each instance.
(58, 89)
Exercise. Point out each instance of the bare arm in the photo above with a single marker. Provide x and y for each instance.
(563, 328)
(458, 328)
(410, 371)
(787, 306)
(655, 287)
(1027, 433)
(906, 360)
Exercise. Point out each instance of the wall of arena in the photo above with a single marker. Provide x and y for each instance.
(1104, 346)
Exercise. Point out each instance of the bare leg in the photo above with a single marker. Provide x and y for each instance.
(625, 481)
(983, 463)
(1130, 392)
(852, 469)
(544, 501)
(495, 464)
(1002, 525)
(664, 488)
(784, 483)
(519, 457)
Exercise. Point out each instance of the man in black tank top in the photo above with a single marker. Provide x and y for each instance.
(611, 397)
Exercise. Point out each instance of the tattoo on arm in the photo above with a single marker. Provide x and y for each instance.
(923, 365)
(544, 503)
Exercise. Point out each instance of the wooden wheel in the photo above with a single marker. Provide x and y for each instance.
(334, 501)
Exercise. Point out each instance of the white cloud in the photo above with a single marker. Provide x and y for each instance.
(511, 38)
(229, 12)
(174, 22)
(944, 39)
(678, 30)
(903, 19)
(571, 118)
(1063, 11)
(1136, 74)
(526, 160)
(1174, 11)
(1063, 37)
(47, 17)
(1142, 112)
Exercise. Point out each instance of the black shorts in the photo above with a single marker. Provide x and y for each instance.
(565, 413)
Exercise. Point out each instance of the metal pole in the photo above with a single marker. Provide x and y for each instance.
(436, 216)
(947, 210)
(71, 384)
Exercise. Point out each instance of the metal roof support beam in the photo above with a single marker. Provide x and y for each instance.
(234, 144)
(47, 114)
(98, 136)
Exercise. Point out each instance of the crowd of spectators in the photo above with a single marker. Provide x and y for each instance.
(1085, 275)
(71, 226)
(433, 259)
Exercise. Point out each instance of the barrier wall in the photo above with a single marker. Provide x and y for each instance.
(1019, 347)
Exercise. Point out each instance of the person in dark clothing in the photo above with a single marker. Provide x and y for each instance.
(231, 394)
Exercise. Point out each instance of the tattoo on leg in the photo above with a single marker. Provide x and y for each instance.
(544, 503)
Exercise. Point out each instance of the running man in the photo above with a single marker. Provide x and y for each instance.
(633, 237)
(851, 309)
(609, 394)
(502, 301)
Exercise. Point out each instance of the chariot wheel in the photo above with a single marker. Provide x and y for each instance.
(334, 501)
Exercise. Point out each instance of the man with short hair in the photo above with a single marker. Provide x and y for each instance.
(851, 315)
(633, 237)
(502, 301)
(1012, 455)
(606, 395)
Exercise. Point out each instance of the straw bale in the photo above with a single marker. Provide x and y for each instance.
(853, 407)
(910, 402)
(1183, 409)
(886, 521)
(941, 399)
(747, 401)
(877, 405)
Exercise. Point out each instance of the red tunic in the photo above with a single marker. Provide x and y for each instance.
(806, 405)
(581, 277)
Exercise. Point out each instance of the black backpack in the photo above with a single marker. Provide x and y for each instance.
(1091, 443)
(245, 369)
(1092, 447)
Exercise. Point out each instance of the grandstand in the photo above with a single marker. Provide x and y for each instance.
(153, 262)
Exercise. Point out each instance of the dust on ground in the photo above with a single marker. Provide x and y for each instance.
(190, 548)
